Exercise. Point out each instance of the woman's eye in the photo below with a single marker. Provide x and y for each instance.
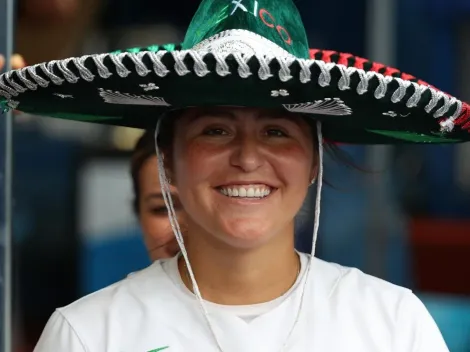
(215, 132)
(158, 210)
(275, 132)
(162, 210)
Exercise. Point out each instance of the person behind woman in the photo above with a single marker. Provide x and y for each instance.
(107, 262)
(148, 203)
(242, 118)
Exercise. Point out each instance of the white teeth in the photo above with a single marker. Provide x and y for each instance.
(246, 191)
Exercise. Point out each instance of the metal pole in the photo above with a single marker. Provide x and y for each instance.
(7, 9)
(381, 48)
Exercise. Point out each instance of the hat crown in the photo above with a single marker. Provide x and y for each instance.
(265, 21)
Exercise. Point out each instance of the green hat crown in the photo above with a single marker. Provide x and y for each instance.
(276, 20)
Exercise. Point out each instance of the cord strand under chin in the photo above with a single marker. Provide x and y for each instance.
(315, 232)
(165, 186)
(316, 225)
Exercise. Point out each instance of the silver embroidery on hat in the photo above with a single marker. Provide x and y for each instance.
(233, 51)
(327, 106)
(149, 86)
(13, 104)
(63, 96)
(394, 114)
(113, 97)
(241, 41)
(280, 92)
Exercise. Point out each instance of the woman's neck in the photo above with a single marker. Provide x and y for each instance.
(230, 276)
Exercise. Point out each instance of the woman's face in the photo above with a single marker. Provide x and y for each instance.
(242, 174)
(158, 235)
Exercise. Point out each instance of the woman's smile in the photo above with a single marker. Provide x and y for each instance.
(246, 194)
(252, 191)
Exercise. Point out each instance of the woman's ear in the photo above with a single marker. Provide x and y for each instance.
(169, 175)
(314, 174)
(315, 166)
(168, 165)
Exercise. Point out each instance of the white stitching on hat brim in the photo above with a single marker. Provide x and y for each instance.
(10, 88)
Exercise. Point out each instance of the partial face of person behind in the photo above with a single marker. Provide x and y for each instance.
(242, 174)
(158, 234)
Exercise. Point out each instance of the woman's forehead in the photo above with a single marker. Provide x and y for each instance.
(236, 113)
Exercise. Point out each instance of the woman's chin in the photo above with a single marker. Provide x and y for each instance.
(246, 234)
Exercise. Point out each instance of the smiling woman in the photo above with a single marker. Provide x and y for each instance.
(241, 115)
(149, 205)
(241, 151)
(242, 176)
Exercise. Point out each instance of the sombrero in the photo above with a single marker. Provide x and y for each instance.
(249, 53)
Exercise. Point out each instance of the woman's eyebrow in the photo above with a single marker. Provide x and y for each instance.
(159, 196)
(211, 113)
(155, 195)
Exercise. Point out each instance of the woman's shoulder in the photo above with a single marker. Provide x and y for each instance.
(341, 282)
(138, 289)
(111, 318)
(396, 313)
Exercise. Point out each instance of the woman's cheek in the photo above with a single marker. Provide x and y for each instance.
(156, 228)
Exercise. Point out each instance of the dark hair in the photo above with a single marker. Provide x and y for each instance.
(144, 149)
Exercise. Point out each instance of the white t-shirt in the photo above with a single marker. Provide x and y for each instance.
(151, 311)
(245, 312)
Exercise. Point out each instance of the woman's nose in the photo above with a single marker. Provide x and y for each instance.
(247, 154)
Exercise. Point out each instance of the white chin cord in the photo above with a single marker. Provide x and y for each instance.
(165, 186)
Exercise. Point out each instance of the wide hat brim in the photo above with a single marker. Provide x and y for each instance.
(358, 101)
